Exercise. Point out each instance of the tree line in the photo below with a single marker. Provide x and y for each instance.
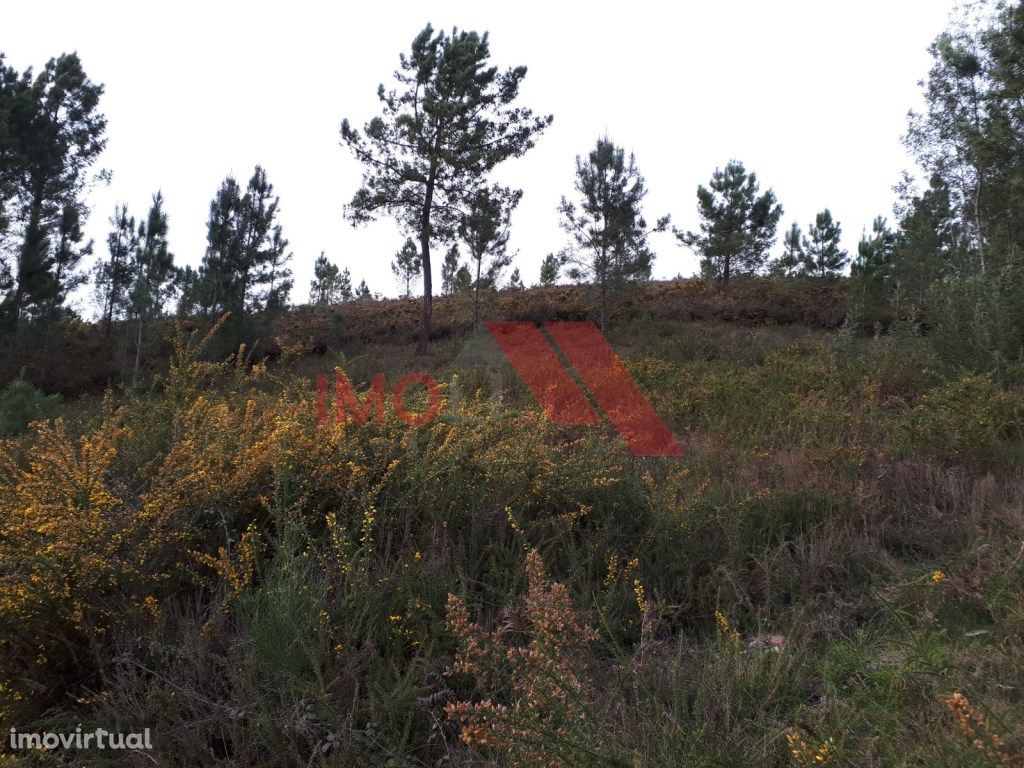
(448, 120)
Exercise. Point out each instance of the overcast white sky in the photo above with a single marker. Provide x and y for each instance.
(810, 94)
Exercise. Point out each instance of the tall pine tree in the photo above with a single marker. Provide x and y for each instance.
(738, 224)
(449, 269)
(450, 120)
(823, 253)
(870, 273)
(607, 228)
(484, 229)
(113, 274)
(407, 266)
(792, 255)
(155, 279)
(345, 285)
(53, 134)
(325, 288)
(244, 268)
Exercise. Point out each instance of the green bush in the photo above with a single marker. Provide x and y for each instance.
(20, 404)
(977, 323)
(967, 418)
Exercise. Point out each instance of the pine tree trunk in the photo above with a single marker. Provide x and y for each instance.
(138, 354)
(31, 235)
(421, 347)
(604, 304)
(476, 295)
(428, 200)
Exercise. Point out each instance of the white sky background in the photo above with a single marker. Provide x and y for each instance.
(810, 94)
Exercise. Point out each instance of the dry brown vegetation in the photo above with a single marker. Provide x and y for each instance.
(78, 357)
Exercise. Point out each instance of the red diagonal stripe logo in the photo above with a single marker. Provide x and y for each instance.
(614, 390)
(543, 373)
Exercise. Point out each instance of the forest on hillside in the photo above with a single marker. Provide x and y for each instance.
(949, 260)
(831, 573)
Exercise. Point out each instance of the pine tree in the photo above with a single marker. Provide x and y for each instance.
(191, 288)
(449, 269)
(244, 268)
(266, 250)
(63, 277)
(823, 254)
(113, 275)
(345, 285)
(549, 269)
(792, 255)
(363, 291)
(931, 245)
(449, 123)
(219, 278)
(275, 275)
(407, 266)
(870, 273)
(54, 133)
(463, 280)
(325, 288)
(737, 226)
(484, 229)
(8, 164)
(609, 234)
(11, 87)
(155, 279)
(515, 281)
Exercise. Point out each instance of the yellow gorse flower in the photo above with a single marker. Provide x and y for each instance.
(725, 629)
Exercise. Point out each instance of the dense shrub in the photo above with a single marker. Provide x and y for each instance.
(977, 322)
(206, 560)
(969, 418)
(20, 404)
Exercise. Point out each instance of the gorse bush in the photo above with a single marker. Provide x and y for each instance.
(262, 590)
(965, 418)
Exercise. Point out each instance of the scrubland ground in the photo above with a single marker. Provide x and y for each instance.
(833, 574)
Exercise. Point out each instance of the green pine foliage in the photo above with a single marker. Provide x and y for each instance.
(53, 133)
(448, 122)
(484, 228)
(608, 233)
(789, 261)
(325, 288)
(112, 275)
(407, 266)
(738, 224)
(870, 274)
(549, 269)
(245, 268)
(515, 280)
(823, 254)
